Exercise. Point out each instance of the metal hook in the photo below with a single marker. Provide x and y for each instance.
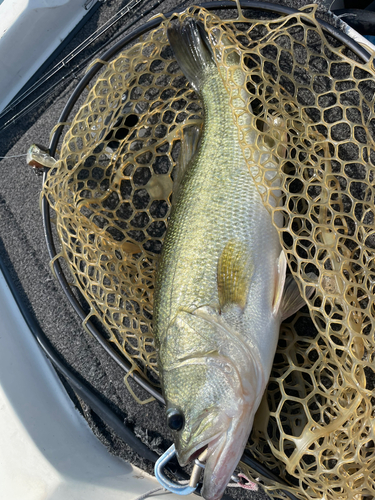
(174, 487)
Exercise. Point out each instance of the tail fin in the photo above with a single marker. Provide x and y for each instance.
(191, 47)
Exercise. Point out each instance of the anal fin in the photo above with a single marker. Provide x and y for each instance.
(288, 299)
(279, 286)
(292, 299)
(234, 272)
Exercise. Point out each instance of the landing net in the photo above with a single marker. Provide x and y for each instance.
(312, 101)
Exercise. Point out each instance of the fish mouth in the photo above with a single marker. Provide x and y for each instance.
(217, 472)
(196, 451)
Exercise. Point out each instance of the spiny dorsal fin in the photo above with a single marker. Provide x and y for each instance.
(189, 146)
(233, 274)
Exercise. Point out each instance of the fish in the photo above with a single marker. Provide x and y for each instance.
(221, 290)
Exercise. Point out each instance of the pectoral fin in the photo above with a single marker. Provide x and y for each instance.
(233, 274)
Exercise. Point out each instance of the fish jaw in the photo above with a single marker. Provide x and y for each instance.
(224, 450)
(213, 430)
(224, 454)
(218, 392)
(225, 430)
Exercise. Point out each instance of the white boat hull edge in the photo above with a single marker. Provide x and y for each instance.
(30, 31)
(47, 450)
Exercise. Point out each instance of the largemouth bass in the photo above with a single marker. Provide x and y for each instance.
(219, 297)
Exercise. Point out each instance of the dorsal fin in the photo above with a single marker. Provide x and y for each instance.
(189, 146)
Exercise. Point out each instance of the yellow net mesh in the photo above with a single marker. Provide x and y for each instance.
(313, 109)
(112, 186)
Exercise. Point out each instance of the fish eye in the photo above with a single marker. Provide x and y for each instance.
(175, 419)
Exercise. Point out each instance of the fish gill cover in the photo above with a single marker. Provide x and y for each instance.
(313, 109)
